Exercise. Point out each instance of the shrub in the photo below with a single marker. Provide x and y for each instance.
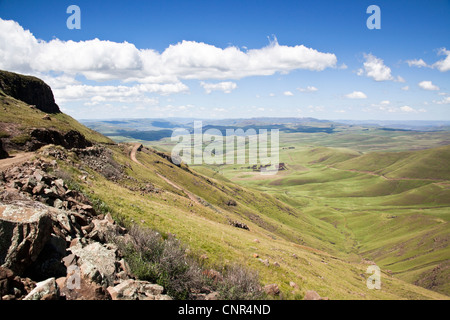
(239, 283)
(161, 261)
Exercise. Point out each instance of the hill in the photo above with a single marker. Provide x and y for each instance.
(221, 222)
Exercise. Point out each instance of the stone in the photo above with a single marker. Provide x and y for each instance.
(45, 290)
(264, 261)
(96, 262)
(311, 295)
(6, 278)
(25, 228)
(69, 260)
(293, 285)
(272, 289)
(137, 290)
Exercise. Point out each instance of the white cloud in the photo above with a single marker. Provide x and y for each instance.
(407, 109)
(271, 94)
(99, 94)
(226, 87)
(106, 60)
(308, 89)
(443, 65)
(375, 68)
(405, 88)
(288, 93)
(445, 100)
(428, 85)
(417, 63)
(385, 102)
(356, 95)
(400, 79)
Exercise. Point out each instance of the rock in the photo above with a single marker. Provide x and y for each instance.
(272, 289)
(45, 290)
(46, 117)
(293, 285)
(137, 290)
(311, 295)
(30, 90)
(6, 278)
(265, 262)
(25, 228)
(256, 241)
(69, 260)
(255, 255)
(48, 264)
(97, 263)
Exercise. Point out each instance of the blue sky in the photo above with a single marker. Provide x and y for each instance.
(229, 59)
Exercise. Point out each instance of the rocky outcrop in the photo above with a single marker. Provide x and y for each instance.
(70, 140)
(30, 90)
(53, 244)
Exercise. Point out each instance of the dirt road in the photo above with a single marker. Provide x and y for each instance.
(15, 160)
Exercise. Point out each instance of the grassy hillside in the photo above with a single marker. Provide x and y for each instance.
(388, 207)
(17, 118)
(293, 241)
(422, 164)
(302, 225)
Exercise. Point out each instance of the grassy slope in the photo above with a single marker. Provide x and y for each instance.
(400, 222)
(304, 243)
(206, 230)
(20, 116)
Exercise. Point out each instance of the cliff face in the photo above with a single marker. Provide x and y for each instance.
(28, 89)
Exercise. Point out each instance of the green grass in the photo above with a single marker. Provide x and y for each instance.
(22, 118)
(296, 233)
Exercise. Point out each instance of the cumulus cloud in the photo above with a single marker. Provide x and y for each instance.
(428, 85)
(443, 65)
(99, 94)
(375, 68)
(308, 89)
(226, 87)
(288, 93)
(417, 63)
(356, 95)
(106, 60)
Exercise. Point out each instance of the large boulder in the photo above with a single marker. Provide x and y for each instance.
(25, 228)
(29, 89)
